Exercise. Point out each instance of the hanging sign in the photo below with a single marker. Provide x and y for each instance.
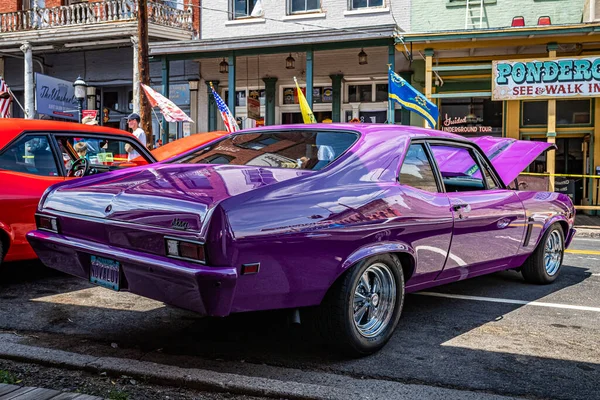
(55, 97)
(546, 78)
(253, 105)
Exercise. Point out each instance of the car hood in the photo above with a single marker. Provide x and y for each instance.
(169, 196)
(511, 156)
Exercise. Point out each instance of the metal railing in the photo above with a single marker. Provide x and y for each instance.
(93, 13)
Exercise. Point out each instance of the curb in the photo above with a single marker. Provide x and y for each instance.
(587, 232)
(342, 388)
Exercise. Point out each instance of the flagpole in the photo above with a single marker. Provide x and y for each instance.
(390, 108)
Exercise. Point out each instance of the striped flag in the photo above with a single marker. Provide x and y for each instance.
(171, 112)
(5, 99)
(228, 118)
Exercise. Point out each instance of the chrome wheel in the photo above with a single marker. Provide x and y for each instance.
(374, 300)
(553, 251)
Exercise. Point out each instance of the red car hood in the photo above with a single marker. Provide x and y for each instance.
(510, 157)
(160, 194)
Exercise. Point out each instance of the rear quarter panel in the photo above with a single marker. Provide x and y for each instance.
(544, 209)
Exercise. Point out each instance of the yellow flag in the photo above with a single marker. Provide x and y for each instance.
(307, 114)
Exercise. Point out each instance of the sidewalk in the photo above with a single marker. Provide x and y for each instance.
(15, 392)
(587, 225)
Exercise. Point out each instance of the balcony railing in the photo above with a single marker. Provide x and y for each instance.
(93, 13)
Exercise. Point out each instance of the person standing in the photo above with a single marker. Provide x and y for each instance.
(133, 121)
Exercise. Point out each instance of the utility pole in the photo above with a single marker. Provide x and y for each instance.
(144, 70)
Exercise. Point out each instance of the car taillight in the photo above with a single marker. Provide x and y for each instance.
(185, 250)
(46, 223)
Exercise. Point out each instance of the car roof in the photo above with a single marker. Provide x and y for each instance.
(366, 129)
(12, 127)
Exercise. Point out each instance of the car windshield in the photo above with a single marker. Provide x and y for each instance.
(301, 149)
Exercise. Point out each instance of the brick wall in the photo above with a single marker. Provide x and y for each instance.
(427, 14)
(9, 5)
(216, 24)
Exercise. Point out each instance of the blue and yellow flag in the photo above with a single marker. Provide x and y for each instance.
(411, 99)
(307, 115)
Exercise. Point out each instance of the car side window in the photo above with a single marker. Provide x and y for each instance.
(460, 169)
(30, 154)
(416, 169)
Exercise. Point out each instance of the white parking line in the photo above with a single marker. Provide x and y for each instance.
(509, 301)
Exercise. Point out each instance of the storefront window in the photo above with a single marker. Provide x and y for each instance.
(360, 93)
(471, 116)
(321, 94)
(381, 92)
(296, 117)
(568, 112)
(240, 98)
(573, 112)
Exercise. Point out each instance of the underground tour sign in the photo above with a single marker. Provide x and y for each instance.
(546, 78)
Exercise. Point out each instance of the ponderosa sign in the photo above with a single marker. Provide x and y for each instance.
(531, 79)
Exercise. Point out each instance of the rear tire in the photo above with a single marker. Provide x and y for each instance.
(361, 310)
(544, 264)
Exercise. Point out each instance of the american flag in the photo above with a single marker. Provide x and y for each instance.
(228, 118)
(5, 100)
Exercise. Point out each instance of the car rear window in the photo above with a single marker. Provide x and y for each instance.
(299, 149)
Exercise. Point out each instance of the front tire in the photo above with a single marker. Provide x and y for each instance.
(362, 309)
(544, 264)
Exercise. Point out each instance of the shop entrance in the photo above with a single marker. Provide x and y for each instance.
(572, 154)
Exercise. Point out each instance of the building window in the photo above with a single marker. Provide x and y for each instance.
(302, 6)
(242, 8)
(358, 4)
(321, 94)
(568, 112)
(471, 116)
(360, 93)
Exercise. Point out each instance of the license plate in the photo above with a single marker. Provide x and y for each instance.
(105, 272)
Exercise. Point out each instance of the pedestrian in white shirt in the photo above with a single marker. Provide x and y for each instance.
(133, 121)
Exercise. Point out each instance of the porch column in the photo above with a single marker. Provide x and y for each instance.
(512, 112)
(28, 89)
(336, 102)
(136, 75)
(194, 83)
(270, 100)
(309, 77)
(231, 84)
(165, 92)
(212, 107)
(428, 77)
(551, 132)
(391, 115)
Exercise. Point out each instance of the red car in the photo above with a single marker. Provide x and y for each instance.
(35, 154)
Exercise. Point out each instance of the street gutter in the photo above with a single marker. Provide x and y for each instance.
(342, 387)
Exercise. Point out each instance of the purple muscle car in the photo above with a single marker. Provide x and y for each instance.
(341, 216)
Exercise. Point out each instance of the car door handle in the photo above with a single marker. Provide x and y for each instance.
(457, 207)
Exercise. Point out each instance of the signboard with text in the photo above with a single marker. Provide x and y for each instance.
(570, 77)
(55, 97)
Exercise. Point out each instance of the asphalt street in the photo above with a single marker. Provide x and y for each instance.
(494, 334)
